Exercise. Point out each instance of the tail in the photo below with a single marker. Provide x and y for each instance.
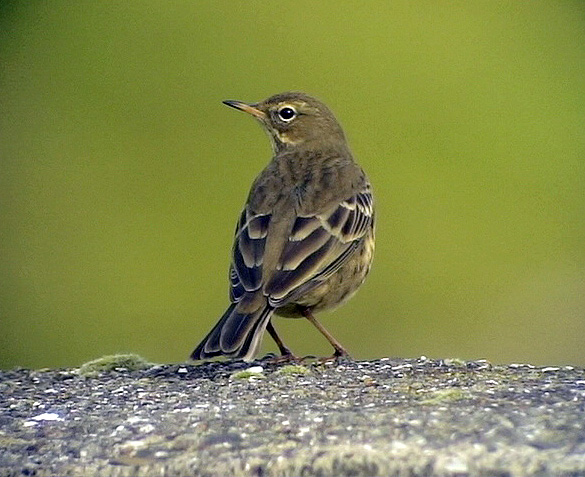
(236, 335)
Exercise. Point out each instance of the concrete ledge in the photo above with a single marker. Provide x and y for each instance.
(125, 417)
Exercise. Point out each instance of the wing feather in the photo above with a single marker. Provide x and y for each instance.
(248, 253)
(317, 246)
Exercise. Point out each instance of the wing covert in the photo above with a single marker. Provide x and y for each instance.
(248, 253)
(319, 245)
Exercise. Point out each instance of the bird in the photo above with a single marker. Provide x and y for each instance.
(304, 241)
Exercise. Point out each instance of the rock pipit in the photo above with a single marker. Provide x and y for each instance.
(305, 239)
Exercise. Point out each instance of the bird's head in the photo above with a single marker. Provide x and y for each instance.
(294, 119)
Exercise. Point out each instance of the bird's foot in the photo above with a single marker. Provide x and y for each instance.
(339, 356)
(285, 358)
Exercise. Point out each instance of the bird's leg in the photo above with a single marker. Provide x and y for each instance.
(284, 350)
(340, 351)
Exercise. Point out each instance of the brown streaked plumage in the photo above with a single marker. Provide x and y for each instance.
(305, 239)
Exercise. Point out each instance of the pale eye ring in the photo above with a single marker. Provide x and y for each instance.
(287, 113)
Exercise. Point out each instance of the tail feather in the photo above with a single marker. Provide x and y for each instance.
(236, 335)
(236, 328)
(213, 339)
(254, 338)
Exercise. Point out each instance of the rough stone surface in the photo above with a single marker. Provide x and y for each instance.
(384, 417)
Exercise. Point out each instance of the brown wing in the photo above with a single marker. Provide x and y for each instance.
(318, 245)
(248, 254)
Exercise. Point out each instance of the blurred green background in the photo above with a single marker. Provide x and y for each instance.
(122, 174)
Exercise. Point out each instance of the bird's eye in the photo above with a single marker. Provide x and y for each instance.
(287, 113)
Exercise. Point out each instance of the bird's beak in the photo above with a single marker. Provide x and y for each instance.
(248, 108)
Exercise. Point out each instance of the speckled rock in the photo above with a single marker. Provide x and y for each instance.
(385, 417)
